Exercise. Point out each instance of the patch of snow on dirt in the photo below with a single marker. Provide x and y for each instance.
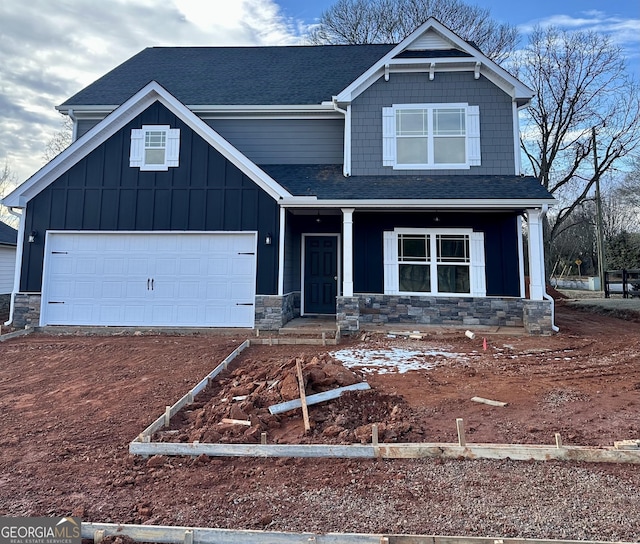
(392, 360)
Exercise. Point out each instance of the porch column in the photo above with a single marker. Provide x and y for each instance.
(283, 216)
(347, 252)
(536, 255)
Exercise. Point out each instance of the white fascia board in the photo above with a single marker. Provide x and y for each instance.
(516, 88)
(118, 119)
(486, 203)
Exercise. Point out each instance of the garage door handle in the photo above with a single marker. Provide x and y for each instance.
(152, 280)
(244, 303)
(148, 282)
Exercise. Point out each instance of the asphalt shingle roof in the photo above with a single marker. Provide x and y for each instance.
(327, 182)
(8, 235)
(299, 75)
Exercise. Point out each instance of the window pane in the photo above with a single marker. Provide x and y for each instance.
(453, 279)
(449, 122)
(411, 151)
(453, 248)
(154, 156)
(415, 278)
(411, 122)
(449, 150)
(413, 248)
(155, 138)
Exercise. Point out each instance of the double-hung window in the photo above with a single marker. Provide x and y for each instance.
(431, 136)
(434, 262)
(155, 147)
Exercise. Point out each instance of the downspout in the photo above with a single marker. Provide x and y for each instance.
(546, 295)
(346, 168)
(74, 134)
(16, 275)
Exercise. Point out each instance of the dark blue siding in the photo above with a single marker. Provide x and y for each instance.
(501, 245)
(205, 193)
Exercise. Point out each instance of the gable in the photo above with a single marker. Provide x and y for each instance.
(431, 48)
(116, 121)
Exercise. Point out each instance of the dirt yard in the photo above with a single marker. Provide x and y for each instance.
(70, 405)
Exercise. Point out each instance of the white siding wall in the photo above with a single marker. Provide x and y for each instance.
(7, 269)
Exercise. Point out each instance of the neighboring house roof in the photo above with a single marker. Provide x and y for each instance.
(282, 75)
(327, 182)
(8, 235)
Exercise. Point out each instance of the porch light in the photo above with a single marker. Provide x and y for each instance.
(268, 239)
(32, 236)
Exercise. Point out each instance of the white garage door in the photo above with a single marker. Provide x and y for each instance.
(149, 279)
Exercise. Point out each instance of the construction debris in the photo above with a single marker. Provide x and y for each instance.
(489, 401)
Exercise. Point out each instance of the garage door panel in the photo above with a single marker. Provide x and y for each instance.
(161, 279)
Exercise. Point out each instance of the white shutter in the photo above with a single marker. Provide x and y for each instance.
(473, 135)
(478, 272)
(390, 247)
(136, 154)
(388, 137)
(173, 147)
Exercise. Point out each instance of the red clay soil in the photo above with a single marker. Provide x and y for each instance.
(69, 406)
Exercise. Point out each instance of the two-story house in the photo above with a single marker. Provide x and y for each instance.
(244, 186)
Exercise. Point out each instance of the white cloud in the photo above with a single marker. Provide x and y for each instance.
(51, 50)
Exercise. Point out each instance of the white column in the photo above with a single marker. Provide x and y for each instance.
(536, 255)
(520, 256)
(347, 251)
(283, 213)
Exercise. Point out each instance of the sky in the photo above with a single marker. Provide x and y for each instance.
(50, 49)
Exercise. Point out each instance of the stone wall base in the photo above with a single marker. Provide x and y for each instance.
(353, 312)
(273, 311)
(26, 311)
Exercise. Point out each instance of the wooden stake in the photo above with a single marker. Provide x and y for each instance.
(460, 426)
(188, 536)
(263, 438)
(558, 440)
(167, 416)
(236, 421)
(374, 434)
(303, 396)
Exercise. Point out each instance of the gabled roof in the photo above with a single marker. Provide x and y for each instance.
(425, 46)
(118, 119)
(327, 183)
(8, 235)
(283, 75)
(202, 77)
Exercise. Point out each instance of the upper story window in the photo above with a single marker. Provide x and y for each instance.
(155, 147)
(431, 136)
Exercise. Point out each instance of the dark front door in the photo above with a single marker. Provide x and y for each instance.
(320, 274)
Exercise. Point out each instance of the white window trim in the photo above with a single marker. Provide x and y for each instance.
(472, 136)
(477, 274)
(172, 148)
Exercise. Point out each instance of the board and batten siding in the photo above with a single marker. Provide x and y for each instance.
(275, 141)
(7, 269)
(206, 192)
(496, 120)
(500, 243)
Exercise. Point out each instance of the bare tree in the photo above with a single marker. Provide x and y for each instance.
(390, 21)
(60, 140)
(584, 98)
(8, 182)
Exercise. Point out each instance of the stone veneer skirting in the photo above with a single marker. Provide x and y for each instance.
(273, 311)
(353, 312)
(26, 310)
